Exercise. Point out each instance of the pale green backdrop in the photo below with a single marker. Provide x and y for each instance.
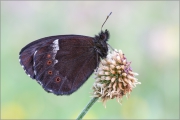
(146, 31)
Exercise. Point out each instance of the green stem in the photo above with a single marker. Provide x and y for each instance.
(89, 105)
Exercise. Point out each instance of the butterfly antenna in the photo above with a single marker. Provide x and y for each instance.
(106, 20)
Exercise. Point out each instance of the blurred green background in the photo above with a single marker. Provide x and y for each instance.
(146, 31)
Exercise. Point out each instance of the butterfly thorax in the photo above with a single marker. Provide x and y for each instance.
(100, 43)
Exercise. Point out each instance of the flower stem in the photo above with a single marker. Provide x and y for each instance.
(89, 105)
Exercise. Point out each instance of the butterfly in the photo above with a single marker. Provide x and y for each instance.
(61, 64)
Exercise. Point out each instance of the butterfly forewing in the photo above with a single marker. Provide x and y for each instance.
(61, 64)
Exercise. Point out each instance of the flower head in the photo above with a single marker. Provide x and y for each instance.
(114, 77)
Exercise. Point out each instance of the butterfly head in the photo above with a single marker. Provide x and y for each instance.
(102, 37)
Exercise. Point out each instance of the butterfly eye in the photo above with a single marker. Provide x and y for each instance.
(58, 79)
(50, 72)
(102, 37)
(49, 62)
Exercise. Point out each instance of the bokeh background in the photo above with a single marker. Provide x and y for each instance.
(146, 31)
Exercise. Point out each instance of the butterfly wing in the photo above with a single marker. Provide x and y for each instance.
(61, 64)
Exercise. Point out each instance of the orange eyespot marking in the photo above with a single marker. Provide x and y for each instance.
(50, 72)
(49, 62)
(58, 79)
(48, 55)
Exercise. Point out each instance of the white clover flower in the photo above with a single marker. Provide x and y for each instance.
(114, 77)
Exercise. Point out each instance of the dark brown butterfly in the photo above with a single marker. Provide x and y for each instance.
(62, 63)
